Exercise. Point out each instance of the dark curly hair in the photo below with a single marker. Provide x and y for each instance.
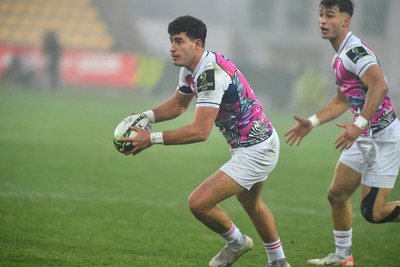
(193, 27)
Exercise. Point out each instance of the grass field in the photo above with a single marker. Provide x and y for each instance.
(68, 198)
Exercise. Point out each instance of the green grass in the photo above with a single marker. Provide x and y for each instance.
(68, 198)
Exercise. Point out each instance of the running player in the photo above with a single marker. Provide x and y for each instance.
(225, 98)
(370, 145)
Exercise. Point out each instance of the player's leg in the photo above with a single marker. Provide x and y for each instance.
(374, 206)
(346, 180)
(203, 203)
(259, 213)
(264, 223)
(247, 167)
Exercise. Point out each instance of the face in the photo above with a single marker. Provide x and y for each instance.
(184, 51)
(333, 24)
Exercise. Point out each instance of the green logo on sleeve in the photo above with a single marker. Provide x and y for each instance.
(206, 81)
(356, 53)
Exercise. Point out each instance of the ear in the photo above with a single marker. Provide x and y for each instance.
(199, 43)
(346, 21)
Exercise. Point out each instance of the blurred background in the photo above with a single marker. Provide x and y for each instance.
(123, 45)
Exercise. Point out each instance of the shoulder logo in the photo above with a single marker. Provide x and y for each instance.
(356, 53)
(203, 77)
(205, 82)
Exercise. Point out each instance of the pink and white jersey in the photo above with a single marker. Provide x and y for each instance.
(354, 57)
(216, 82)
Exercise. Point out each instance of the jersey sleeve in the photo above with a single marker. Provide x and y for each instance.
(211, 86)
(183, 86)
(358, 59)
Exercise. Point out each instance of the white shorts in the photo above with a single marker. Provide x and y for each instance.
(250, 165)
(376, 159)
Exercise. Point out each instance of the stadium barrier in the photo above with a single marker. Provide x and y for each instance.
(122, 70)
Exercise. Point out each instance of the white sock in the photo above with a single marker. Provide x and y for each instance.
(233, 236)
(274, 250)
(343, 243)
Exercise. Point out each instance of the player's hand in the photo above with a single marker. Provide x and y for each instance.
(297, 132)
(140, 142)
(348, 137)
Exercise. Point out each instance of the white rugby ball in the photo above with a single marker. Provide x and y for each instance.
(122, 130)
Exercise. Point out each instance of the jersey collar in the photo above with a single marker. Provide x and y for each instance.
(344, 43)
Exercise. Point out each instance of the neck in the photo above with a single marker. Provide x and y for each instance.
(196, 61)
(336, 42)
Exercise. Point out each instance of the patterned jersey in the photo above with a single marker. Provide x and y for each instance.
(354, 57)
(216, 82)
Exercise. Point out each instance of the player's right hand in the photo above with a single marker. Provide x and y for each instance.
(297, 132)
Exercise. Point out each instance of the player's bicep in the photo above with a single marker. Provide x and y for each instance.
(373, 78)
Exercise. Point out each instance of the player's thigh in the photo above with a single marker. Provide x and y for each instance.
(216, 188)
(345, 181)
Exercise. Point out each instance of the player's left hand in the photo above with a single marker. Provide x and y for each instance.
(140, 141)
(348, 137)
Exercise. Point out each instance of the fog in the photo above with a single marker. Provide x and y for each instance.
(275, 43)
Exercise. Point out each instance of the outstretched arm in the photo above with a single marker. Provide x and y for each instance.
(337, 106)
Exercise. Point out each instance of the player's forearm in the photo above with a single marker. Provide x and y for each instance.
(172, 107)
(374, 98)
(186, 135)
(336, 107)
(167, 111)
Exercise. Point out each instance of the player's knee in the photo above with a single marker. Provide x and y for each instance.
(193, 204)
(336, 199)
(196, 207)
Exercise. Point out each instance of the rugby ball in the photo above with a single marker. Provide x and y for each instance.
(122, 130)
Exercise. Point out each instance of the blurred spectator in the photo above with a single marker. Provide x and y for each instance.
(52, 51)
(18, 69)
